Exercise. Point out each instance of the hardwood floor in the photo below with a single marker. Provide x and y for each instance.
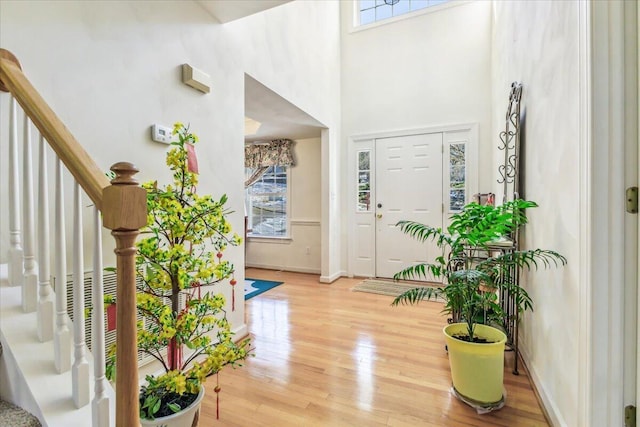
(328, 356)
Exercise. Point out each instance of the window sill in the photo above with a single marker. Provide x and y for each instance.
(281, 240)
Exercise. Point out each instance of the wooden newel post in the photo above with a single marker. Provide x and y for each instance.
(124, 210)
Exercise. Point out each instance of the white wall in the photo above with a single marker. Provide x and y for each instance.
(111, 69)
(536, 43)
(428, 70)
(302, 251)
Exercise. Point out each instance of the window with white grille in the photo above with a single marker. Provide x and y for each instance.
(371, 11)
(267, 203)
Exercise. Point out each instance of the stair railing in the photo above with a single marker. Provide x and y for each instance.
(120, 205)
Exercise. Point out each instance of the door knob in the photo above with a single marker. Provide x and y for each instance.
(379, 215)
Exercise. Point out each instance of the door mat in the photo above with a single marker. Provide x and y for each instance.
(254, 287)
(389, 287)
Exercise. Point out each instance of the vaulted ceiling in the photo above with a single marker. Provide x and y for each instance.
(278, 117)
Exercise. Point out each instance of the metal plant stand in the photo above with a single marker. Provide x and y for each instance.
(509, 306)
(509, 172)
(510, 143)
(510, 179)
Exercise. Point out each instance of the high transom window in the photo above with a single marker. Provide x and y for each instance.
(377, 10)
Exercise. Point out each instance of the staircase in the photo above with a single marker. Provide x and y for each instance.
(46, 367)
(14, 416)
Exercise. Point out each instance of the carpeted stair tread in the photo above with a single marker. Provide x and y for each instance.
(14, 416)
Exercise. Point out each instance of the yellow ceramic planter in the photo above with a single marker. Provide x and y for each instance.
(477, 370)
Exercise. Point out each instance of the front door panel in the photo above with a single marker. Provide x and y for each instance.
(408, 187)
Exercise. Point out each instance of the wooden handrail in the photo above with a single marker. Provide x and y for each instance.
(85, 171)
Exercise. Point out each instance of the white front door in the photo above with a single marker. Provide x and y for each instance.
(408, 172)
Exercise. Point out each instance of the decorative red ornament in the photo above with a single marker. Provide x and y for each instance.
(233, 294)
(111, 317)
(217, 390)
(192, 160)
(195, 287)
(174, 354)
(219, 255)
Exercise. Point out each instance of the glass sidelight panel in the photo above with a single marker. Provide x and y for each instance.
(457, 177)
(364, 181)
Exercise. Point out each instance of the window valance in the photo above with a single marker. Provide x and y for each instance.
(274, 153)
(261, 157)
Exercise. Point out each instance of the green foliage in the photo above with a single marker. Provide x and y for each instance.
(471, 272)
(182, 253)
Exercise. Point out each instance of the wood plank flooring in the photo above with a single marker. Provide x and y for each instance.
(328, 356)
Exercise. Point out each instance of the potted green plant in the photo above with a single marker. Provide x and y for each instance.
(474, 270)
(177, 261)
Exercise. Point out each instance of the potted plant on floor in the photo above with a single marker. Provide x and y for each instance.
(473, 273)
(180, 257)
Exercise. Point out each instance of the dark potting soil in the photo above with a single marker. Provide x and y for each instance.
(477, 340)
(183, 401)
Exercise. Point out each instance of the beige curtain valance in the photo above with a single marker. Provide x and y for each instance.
(260, 157)
(274, 153)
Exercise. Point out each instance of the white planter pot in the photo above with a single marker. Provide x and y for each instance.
(185, 418)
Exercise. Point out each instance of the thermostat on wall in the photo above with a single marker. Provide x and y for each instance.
(161, 134)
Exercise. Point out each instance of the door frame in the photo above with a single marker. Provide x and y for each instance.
(605, 139)
(638, 219)
(367, 141)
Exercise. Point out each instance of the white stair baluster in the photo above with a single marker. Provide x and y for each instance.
(80, 369)
(62, 342)
(30, 284)
(15, 248)
(45, 303)
(100, 404)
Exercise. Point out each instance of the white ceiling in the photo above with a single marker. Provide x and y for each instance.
(230, 10)
(278, 117)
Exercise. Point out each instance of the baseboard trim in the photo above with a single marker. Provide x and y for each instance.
(549, 408)
(283, 268)
(331, 278)
(240, 333)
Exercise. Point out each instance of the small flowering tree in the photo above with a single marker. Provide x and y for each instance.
(181, 255)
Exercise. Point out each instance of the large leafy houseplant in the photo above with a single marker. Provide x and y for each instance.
(471, 268)
(178, 258)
